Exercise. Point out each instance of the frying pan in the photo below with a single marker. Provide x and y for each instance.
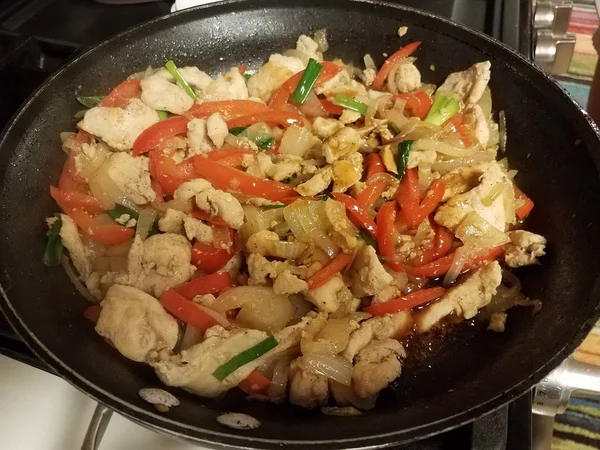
(469, 372)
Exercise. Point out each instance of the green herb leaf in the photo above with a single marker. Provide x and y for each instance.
(286, 181)
(181, 82)
(91, 101)
(119, 210)
(444, 108)
(402, 157)
(349, 103)
(393, 128)
(247, 76)
(266, 144)
(236, 131)
(54, 246)
(365, 236)
(308, 80)
(244, 358)
(162, 115)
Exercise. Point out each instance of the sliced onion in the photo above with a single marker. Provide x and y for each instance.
(178, 205)
(270, 312)
(396, 114)
(425, 177)
(337, 332)
(333, 367)
(257, 133)
(313, 107)
(474, 231)
(220, 318)
(191, 337)
(321, 39)
(317, 234)
(485, 103)
(75, 280)
(369, 63)
(288, 250)
(279, 380)
(103, 187)
(461, 256)
(144, 223)
(345, 394)
(502, 131)
(451, 164)
(443, 148)
(65, 137)
(295, 141)
(510, 206)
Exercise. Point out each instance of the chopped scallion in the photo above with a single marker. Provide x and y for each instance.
(266, 144)
(236, 131)
(308, 80)
(286, 181)
(154, 229)
(247, 76)
(402, 162)
(244, 358)
(181, 82)
(54, 247)
(91, 101)
(393, 128)
(444, 107)
(162, 115)
(120, 210)
(349, 103)
(365, 236)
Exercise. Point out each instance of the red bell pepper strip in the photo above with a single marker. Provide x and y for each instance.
(371, 193)
(120, 96)
(406, 302)
(66, 183)
(229, 178)
(209, 284)
(186, 310)
(208, 258)
(418, 104)
(231, 158)
(440, 266)
(358, 214)
(168, 173)
(227, 108)
(441, 246)
(389, 64)
(92, 313)
(386, 229)
(331, 108)
(523, 210)
(203, 215)
(374, 165)
(153, 136)
(325, 274)
(87, 203)
(255, 384)
(408, 196)
(281, 96)
(283, 118)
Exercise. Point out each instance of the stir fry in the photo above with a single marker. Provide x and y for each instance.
(284, 231)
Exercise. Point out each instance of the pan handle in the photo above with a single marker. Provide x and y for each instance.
(97, 427)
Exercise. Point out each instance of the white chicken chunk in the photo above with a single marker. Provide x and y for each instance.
(309, 47)
(318, 183)
(221, 204)
(292, 63)
(524, 248)
(71, 239)
(347, 171)
(196, 229)
(395, 326)
(260, 165)
(468, 84)
(454, 211)
(195, 77)
(324, 128)
(474, 117)
(342, 84)
(231, 86)
(136, 323)
(132, 175)
(368, 76)
(261, 242)
(497, 322)
(285, 166)
(162, 95)
(376, 366)
(307, 389)
(368, 274)
(189, 189)
(119, 127)
(267, 80)
(416, 158)
(172, 221)
(464, 299)
(198, 137)
(349, 117)
(462, 179)
(406, 78)
(217, 130)
(260, 269)
(343, 142)
(287, 283)
(330, 296)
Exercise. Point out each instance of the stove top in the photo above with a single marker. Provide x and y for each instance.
(38, 36)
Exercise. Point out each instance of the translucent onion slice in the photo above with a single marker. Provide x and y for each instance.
(144, 223)
(76, 281)
(443, 148)
(333, 367)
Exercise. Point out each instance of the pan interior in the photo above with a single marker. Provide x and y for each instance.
(549, 141)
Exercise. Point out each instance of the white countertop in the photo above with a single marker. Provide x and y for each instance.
(40, 411)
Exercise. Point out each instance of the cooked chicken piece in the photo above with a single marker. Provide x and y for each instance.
(221, 204)
(196, 229)
(394, 290)
(416, 158)
(454, 211)
(231, 86)
(297, 141)
(71, 239)
(330, 296)
(524, 249)
(307, 389)
(286, 166)
(347, 171)
(292, 63)
(368, 76)
(344, 85)
(195, 77)
(368, 274)
(172, 221)
(343, 142)
(388, 156)
(132, 175)
(464, 299)
(462, 179)
(268, 79)
(325, 128)
(119, 127)
(136, 323)
(349, 117)
(474, 117)
(189, 189)
(395, 326)
(197, 137)
(318, 183)
(162, 95)
(497, 322)
(468, 84)
(217, 130)
(286, 283)
(258, 165)
(309, 47)
(406, 78)
(261, 242)
(311, 166)
(260, 268)
(376, 366)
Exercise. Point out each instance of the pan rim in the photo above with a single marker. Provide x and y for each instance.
(161, 423)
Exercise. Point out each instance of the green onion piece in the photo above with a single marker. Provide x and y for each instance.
(349, 103)
(172, 68)
(393, 128)
(119, 210)
(308, 80)
(367, 238)
(274, 206)
(266, 144)
(323, 197)
(402, 161)
(247, 76)
(154, 229)
(54, 247)
(444, 107)
(91, 101)
(237, 131)
(286, 181)
(162, 115)
(244, 358)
